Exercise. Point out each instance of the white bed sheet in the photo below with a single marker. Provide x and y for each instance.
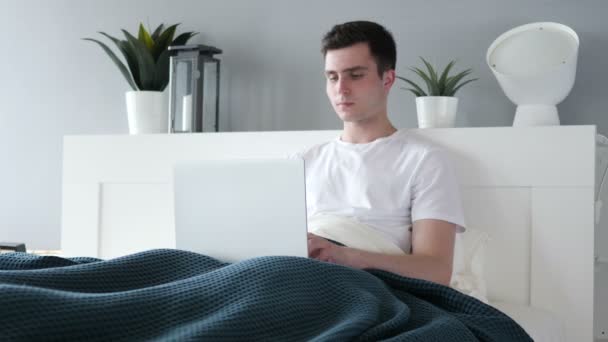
(539, 324)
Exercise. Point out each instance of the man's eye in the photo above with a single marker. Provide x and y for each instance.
(332, 78)
(356, 76)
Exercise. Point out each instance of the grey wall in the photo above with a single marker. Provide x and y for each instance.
(54, 84)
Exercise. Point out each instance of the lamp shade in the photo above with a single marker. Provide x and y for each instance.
(535, 65)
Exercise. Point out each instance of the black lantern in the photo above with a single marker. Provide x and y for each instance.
(194, 88)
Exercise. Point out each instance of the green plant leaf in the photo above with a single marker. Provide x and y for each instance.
(432, 91)
(116, 61)
(163, 41)
(444, 76)
(145, 38)
(183, 38)
(416, 87)
(461, 84)
(442, 85)
(146, 65)
(433, 76)
(129, 56)
(453, 81)
(157, 32)
(145, 62)
(161, 71)
(415, 92)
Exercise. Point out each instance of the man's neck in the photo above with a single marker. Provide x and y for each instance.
(365, 132)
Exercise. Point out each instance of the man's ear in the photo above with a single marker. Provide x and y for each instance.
(388, 78)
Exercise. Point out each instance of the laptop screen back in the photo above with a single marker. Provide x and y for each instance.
(238, 209)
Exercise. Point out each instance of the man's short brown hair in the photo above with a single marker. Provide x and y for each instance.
(380, 41)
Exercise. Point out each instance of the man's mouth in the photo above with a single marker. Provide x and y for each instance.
(345, 104)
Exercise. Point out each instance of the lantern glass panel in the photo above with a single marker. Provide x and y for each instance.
(183, 87)
(193, 88)
(210, 95)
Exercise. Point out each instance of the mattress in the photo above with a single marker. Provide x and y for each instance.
(539, 324)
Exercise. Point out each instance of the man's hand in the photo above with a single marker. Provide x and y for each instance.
(323, 250)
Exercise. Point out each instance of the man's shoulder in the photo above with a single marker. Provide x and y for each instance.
(425, 153)
(314, 150)
(413, 143)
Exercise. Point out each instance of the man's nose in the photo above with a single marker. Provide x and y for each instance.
(342, 86)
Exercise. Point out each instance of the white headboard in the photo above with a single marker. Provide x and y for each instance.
(531, 188)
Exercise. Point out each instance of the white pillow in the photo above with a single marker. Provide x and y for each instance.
(469, 255)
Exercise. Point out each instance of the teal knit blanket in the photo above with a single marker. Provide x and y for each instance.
(173, 295)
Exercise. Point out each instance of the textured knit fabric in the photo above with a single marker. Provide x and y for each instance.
(172, 295)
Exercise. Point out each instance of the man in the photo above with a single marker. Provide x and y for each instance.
(400, 187)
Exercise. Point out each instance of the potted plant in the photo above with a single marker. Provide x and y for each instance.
(147, 72)
(437, 106)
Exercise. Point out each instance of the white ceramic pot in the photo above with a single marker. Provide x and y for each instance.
(436, 111)
(147, 112)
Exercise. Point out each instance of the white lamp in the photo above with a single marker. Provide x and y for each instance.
(535, 65)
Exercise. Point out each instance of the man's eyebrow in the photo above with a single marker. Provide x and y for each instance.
(355, 68)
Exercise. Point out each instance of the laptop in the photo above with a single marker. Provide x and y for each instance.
(238, 209)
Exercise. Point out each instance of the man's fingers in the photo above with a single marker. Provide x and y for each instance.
(315, 245)
(312, 247)
(318, 248)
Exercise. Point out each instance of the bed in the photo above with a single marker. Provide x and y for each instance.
(531, 190)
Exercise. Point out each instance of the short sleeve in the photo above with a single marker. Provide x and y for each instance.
(436, 191)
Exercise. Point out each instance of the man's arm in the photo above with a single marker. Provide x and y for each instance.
(431, 258)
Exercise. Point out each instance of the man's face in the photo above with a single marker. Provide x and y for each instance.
(354, 88)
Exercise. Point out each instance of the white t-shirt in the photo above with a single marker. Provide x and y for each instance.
(386, 184)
